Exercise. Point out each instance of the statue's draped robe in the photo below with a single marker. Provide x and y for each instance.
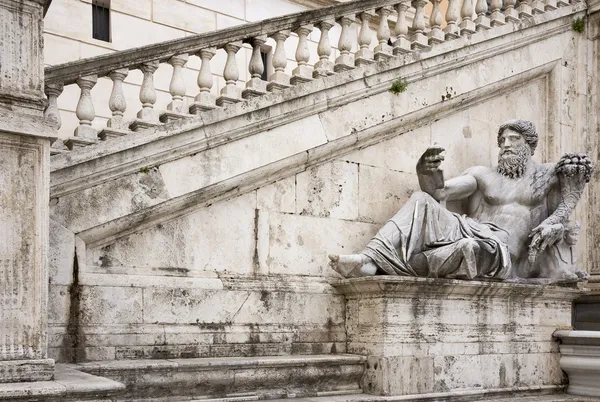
(425, 239)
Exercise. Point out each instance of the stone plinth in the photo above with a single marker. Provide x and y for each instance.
(24, 182)
(580, 359)
(425, 336)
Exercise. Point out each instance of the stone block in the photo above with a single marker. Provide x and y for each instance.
(357, 116)
(111, 200)
(58, 304)
(263, 9)
(58, 49)
(381, 192)
(278, 197)
(399, 153)
(196, 306)
(209, 167)
(580, 359)
(219, 238)
(169, 12)
(110, 305)
(61, 253)
(299, 245)
(138, 8)
(153, 33)
(79, 15)
(329, 190)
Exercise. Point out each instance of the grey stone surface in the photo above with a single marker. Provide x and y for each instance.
(426, 336)
(580, 359)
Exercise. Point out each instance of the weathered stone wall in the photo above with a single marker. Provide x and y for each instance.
(245, 272)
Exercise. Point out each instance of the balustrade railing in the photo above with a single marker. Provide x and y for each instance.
(365, 38)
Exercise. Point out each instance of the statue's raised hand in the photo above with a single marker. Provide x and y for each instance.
(430, 161)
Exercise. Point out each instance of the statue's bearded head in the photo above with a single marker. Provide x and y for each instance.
(517, 140)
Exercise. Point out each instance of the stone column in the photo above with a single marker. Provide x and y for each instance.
(24, 191)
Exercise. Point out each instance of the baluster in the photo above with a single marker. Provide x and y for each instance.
(525, 10)
(255, 85)
(482, 22)
(115, 126)
(175, 109)
(51, 114)
(230, 93)
(510, 14)
(452, 31)
(383, 51)
(436, 35)
(147, 117)
(419, 39)
(324, 66)
(364, 55)
(402, 44)
(303, 72)
(497, 16)
(345, 61)
(537, 7)
(467, 26)
(279, 79)
(550, 5)
(204, 100)
(85, 134)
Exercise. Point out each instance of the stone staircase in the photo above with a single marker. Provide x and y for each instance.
(268, 132)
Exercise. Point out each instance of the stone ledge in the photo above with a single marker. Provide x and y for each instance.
(399, 286)
(262, 377)
(26, 370)
(68, 385)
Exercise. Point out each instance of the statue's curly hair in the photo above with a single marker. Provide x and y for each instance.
(523, 127)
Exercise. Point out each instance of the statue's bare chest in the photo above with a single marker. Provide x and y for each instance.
(528, 190)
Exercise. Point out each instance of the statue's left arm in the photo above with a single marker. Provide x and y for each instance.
(573, 171)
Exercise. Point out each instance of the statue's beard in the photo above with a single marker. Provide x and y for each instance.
(513, 164)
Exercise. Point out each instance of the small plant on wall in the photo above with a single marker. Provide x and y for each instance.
(579, 25)
(399, 86)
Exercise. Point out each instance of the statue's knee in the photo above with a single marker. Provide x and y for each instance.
(421, 196)
(469, 245)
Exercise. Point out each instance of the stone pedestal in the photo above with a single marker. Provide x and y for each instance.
(24, 195)
(428, 336)
(580, 359)
(24, 198)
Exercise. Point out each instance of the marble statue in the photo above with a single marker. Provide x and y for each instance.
(517, 224)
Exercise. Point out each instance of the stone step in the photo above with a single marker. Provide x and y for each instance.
(233, 378)
(69, 384)
(457, 397)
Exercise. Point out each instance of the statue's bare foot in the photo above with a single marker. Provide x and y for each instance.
(352, 265)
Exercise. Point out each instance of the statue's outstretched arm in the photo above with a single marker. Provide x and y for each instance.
(431, 178)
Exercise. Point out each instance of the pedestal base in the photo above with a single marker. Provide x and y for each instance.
(426, 336)
(26, 370)
(580, 359)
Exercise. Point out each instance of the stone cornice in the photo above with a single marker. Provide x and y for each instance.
(408, 287)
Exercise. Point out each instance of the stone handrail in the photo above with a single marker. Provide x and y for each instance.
(424, 31)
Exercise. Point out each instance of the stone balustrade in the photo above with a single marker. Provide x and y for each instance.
(384, 29)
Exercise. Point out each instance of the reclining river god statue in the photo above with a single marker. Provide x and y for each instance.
(517, 223)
